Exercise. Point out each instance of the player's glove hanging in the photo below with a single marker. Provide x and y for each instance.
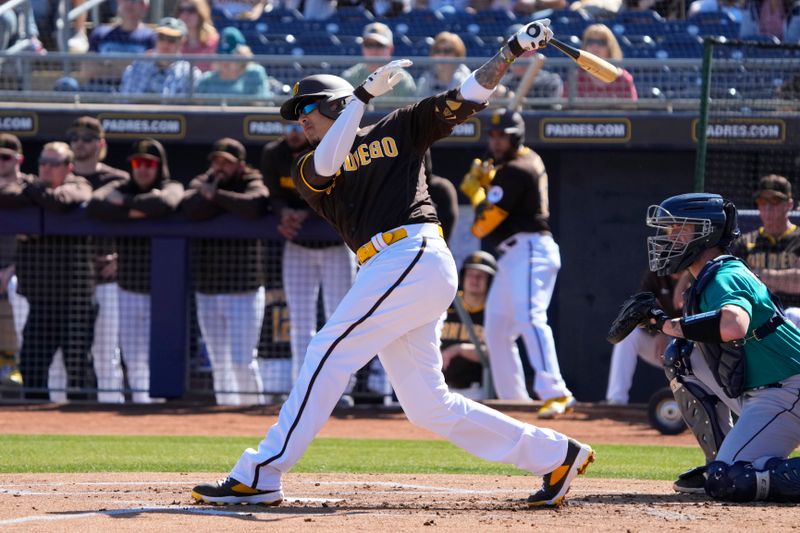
(640, 310)
(382, 80)
(532, 36)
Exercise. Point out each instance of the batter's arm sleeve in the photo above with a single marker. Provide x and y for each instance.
(252, 203)
(334, 148)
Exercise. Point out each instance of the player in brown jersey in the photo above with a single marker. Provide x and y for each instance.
(368, 182)
(512, 217)
(773, 250)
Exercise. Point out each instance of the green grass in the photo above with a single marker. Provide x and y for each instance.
(69, 453)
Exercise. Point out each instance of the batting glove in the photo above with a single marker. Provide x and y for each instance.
(533, 35)
(382, 80)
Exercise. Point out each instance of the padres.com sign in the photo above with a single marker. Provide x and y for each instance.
(19, 123)
(135, 125)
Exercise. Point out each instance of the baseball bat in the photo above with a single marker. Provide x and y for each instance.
(596, 66)
(527, 82)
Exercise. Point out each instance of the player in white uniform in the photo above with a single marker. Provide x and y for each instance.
(510, 198)
(370, 185)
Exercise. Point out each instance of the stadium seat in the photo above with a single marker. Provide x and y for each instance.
(644, 17)
(282, 15)
(348, 20)
(494, 22)
(419, 23)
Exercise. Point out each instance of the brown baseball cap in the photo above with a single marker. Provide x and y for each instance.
(774, 186)
(9, 144)
(87, 123)
(228, 148)
(147, 148)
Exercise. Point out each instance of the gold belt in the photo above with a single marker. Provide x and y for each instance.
(368, 250)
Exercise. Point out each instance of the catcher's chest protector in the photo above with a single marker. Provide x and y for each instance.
(726, 360)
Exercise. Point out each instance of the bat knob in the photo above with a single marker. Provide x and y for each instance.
(533, 30)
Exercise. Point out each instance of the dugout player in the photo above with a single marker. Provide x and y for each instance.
(461, 363)
(745, 355)
(150, 194)
(87, 139)
(307, 264)
(773, 250)
(369, 184)
(229, 273)
(509, 194)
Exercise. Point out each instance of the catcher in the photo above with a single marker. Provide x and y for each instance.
(734, 352)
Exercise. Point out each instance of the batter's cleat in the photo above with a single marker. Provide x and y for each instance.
(228, 491)
(557, 406)
(556, 484)
(692, 481)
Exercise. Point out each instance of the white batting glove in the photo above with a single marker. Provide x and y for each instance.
(382, 80)
(532, 36)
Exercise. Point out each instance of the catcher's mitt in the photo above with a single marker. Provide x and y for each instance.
(637, 310)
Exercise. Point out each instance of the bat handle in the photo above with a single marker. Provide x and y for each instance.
(564, 47)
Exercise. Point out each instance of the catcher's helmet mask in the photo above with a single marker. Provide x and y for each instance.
(332, 92)
(713, 224)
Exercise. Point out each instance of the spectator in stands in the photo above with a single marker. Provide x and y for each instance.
(229, 273)
(46, 13)
(311, 9)
(599, 40)
(386, 8)
(790, 89)
(237, 78)
(55, 275)
(167, 78)
(376, 47)
(86, 138)
(202, 36)
(18, 24)
(128, 36)
(597, 8)
(779, 18)
(773, 250)
(524, 8)
(242, 9)
(732, 7)
(461, 363)
(444, 76)
(307, 264)
(149, 194)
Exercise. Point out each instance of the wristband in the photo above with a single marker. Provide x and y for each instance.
(515, 47)
(703, 327)
(362, 94)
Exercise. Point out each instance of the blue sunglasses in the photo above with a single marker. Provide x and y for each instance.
(309, 108)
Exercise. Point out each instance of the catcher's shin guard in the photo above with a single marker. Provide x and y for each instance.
(784, 479)
(699, 411)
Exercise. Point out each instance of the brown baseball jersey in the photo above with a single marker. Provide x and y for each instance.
(381, 184)
(519, 188)
(761, 250)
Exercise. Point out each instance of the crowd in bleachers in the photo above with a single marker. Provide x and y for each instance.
(646, 29)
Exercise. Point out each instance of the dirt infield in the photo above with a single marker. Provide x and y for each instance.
(357, 502)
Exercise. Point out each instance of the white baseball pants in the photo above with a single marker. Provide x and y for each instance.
(393, 309)
(231, 327)
(638, 343)
(517, 306)
(304, 270)
(105, 345)
(134, 339)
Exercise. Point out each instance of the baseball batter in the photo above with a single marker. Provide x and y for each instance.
(510, 198)
(746, 354)
(368, 183)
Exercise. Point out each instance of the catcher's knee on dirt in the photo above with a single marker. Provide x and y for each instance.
(740, 482)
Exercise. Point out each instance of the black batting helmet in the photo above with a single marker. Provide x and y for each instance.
(332, 91)
(510, 122)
